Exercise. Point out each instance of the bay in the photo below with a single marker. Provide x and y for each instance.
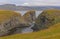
(27, 29)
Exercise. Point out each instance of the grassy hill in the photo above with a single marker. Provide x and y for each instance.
(47, 18)
(5, 15)
(50, 33)
(51, 18)
(8, 21)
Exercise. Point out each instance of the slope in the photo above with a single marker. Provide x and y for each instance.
(50, 33)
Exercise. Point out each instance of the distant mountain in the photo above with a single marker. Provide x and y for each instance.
(18, 8)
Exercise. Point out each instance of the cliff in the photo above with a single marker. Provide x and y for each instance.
(50, 33)
(8, 21)
(46, 19)
(30, 17)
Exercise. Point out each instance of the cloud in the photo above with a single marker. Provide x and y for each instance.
(25, 4)
(42, 3)
(46, 2)
(32, 2)
(3, 3)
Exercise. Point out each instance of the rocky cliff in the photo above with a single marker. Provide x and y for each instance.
(30, 17)
(8, 21)
(46, 19)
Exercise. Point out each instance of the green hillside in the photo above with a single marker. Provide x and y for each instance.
(46, 19)
(5, 15)
(48, 22)
(51, 33)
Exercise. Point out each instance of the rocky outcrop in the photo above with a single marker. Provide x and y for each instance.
(13, 22)
(30, 17)
(9, 21)
(47, 18)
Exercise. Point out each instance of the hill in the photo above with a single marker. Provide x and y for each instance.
(48, 24)
(46, 19)
(12, 22)
(50, 33)
(8, 21)
(5, 15)
(21, 8)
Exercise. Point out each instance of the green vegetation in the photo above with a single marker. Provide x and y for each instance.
(5, 15)
(51, 33)
(29, 16)
(8, 21)
(46, 19)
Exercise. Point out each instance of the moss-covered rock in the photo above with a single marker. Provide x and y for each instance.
(8, 20)
(46, 19)
(29, 17)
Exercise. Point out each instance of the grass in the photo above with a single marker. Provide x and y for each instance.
(5, 15)
(51, 16)
(50, 33)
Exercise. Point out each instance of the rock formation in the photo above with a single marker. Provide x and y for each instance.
(10, 21)
(47, 18)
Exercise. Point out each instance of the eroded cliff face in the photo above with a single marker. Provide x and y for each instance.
(46, 19)
(27, 22)
(30, 17)
(8, 21)
(12, 21)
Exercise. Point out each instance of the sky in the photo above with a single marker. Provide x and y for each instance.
(32, 2)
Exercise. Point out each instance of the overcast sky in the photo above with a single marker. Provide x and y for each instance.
(32, 2)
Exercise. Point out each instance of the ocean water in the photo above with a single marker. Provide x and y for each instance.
(27, 29)
(23, 12)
